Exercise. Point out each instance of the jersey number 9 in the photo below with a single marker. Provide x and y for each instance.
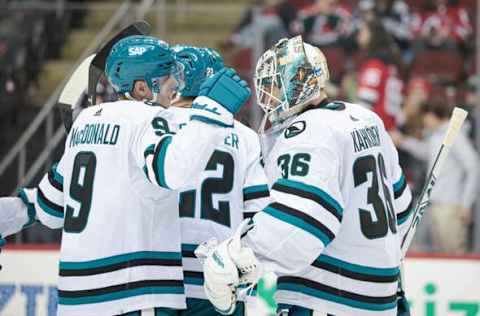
(81, 187)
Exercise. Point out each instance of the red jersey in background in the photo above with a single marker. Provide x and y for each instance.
(380, 89)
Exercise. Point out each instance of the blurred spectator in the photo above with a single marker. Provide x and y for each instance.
(444, 24)
(364, 12)
(472, 99)
(395, 17)
(397, 20)
(456, 189)
(379, 85)
(275, 22)
(418, 92)
(325, 23)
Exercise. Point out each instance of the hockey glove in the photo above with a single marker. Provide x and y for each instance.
(227, 89)
(226, 268)
(15, 215)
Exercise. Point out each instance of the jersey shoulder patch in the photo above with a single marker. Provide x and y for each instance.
(294, 129)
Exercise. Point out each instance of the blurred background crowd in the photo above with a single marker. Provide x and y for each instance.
(409, 61)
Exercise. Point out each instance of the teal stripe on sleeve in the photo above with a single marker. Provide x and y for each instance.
(314, 190)
(295, 221)
(255, 188)
(47, 209)
(159, 162)
(150, 150)
(32, 215)
(399, 184)
(56, 175)
(189, 247)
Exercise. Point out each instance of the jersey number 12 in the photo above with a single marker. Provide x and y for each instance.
(209, 187)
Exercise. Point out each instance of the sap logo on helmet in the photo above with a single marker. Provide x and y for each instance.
(136, 51)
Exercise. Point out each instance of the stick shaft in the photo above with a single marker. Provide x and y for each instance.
(455, 123)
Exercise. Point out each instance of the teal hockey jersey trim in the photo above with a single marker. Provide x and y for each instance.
(122, 258)
(255, 192)
(310, 192)
(322, 291)
(399, 187)
(48, 206)
(32, 215)
(300, 220)
(159, 161)
(120, 291)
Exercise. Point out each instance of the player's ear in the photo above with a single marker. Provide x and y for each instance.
(140, 90)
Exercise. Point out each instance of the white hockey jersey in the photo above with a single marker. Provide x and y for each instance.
(340, 205)
(111, 184)
(232, 187)
(120, 247)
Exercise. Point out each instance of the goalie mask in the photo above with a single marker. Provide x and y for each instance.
(288, 77)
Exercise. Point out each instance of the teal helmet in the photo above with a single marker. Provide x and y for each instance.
(139, 57)
(215, 60)
(198, 65)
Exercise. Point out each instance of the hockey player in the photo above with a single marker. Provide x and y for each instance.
(231, 188)
(120, 248)
(340, 200)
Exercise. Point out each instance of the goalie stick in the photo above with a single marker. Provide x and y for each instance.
(97, 67)
(454, 125)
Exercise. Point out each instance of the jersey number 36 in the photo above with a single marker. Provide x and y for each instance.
(382, 204)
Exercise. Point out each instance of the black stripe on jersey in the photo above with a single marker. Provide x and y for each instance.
(398, 193)
(402, 216)
(188, 253)
(255, 195)
(353, 274)
(136, 313)
(53, 182)
(120, 287)
(305, 217)
(120, 266)
(193, 278)
(337, 292)
(50, 204)
(248, 214)
(193, 274)
(308, 195)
